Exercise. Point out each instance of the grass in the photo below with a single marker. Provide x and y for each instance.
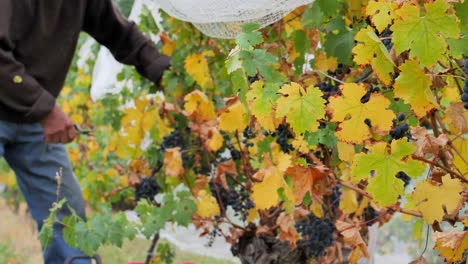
(19, 244)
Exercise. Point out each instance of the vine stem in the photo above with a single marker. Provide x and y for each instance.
(442, 167)
(150, 253)
(331, 77)
(395, 208)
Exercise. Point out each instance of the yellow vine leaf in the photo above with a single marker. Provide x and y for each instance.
(301, 145)
(265, 193)
(383, 185)
(349, 110)
(371, 51)
(349, 203)
(199, 107)
(196, 66)
(451, 244)
(457, 117)
(346, 152)
(173, 162)
(215, 142)
(460, 159)
(381, 13)
(324, 63)
(432, 199)
(207, 205)
(414, 87)
(425, 36)
(261, 98)
(233, 118)
(301, 107)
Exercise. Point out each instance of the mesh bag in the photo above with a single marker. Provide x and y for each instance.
(224, 18)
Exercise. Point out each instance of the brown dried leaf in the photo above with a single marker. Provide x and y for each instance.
(352, 236)
(458, 116)
(426, 143)
(287, 230)
(173, 162)
(304, 179)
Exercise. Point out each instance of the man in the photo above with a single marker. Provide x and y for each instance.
(37, 42)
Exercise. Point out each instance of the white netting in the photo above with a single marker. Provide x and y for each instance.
(224, 18)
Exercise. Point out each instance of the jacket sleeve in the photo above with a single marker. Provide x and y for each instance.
(104, 22)
(19, 91)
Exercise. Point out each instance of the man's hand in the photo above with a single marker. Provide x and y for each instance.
(58, 128)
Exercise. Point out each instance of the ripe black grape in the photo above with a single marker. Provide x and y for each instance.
(404, 177)
(401, 117)
(464, 97)
(370, 215)
(240, 202)
(334, 199)
(148, 188)
(400, 131)
(174, 139)
(386, 41)
(283, 135)
(317, 235)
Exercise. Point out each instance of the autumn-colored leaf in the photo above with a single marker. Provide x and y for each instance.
(349, 203)
(460, 158)
(207, 205)
(381, 13)
(196, 66)
(424, 35)
(234, 118)
(371, 51)
(265, 193)
(215, 141)
(458, 117)
(426, 143)
(433, 199)
(173, 162)
(349, 110)
(451, 244)
(414, 87)
(304, 179)
(324, 63)
(301, 107)
(287, 230)
(383, 185)
(199, 107)
(351, 236)
(262, 98)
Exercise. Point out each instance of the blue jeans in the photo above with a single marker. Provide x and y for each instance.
(36, 163)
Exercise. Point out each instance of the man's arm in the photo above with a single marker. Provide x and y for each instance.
(107, 25)
(22, 93)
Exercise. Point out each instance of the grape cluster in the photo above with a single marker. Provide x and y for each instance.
(317, 235)
(148, 188)
(464, 96)
(365, 98)
(341, 69)
(240, 202)
(328, 89)
(283, 135)
(404, 177)
(173, 140)
(387, 41)
(235, 154)
(334, 199)
(248, 134)
(401, 130)
(370, 215)
(212, 237)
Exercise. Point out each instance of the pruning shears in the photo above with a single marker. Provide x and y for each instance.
(82, 131)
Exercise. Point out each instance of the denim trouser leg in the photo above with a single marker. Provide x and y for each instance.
(36, 164)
